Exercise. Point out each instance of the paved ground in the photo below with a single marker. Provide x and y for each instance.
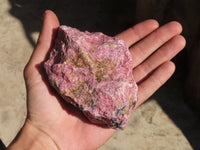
(163, 122)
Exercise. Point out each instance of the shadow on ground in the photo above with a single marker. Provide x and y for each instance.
(171, 98)
(110, 17)
(2, 146)
(99, 15)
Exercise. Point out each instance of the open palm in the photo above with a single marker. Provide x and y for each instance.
(66, 125)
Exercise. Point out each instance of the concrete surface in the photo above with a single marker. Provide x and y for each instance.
(163, 122)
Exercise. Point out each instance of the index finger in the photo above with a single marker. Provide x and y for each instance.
(138, 32)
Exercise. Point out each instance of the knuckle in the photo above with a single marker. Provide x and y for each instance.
(27, 71)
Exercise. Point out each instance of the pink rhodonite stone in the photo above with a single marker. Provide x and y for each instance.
(93, 72)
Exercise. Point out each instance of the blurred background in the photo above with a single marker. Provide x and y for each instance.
(169, 120)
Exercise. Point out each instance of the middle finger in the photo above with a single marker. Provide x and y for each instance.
(148, 45)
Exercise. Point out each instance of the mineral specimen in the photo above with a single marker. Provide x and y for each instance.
(93, 72)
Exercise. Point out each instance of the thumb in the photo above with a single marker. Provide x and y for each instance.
(47, 35)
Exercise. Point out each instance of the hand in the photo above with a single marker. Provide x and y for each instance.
(64, 127)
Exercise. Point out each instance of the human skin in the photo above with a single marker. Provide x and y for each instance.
(52, 123)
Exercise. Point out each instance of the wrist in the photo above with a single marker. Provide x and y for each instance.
(31, 138)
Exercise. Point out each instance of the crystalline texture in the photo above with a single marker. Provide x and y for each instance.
(93, 72)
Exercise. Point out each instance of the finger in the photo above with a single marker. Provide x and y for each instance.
(147, 46)
(137, 32)
(50, 24)
(165, 53)
(154, 81)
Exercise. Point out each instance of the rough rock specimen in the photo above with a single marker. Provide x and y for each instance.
(93, 72)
